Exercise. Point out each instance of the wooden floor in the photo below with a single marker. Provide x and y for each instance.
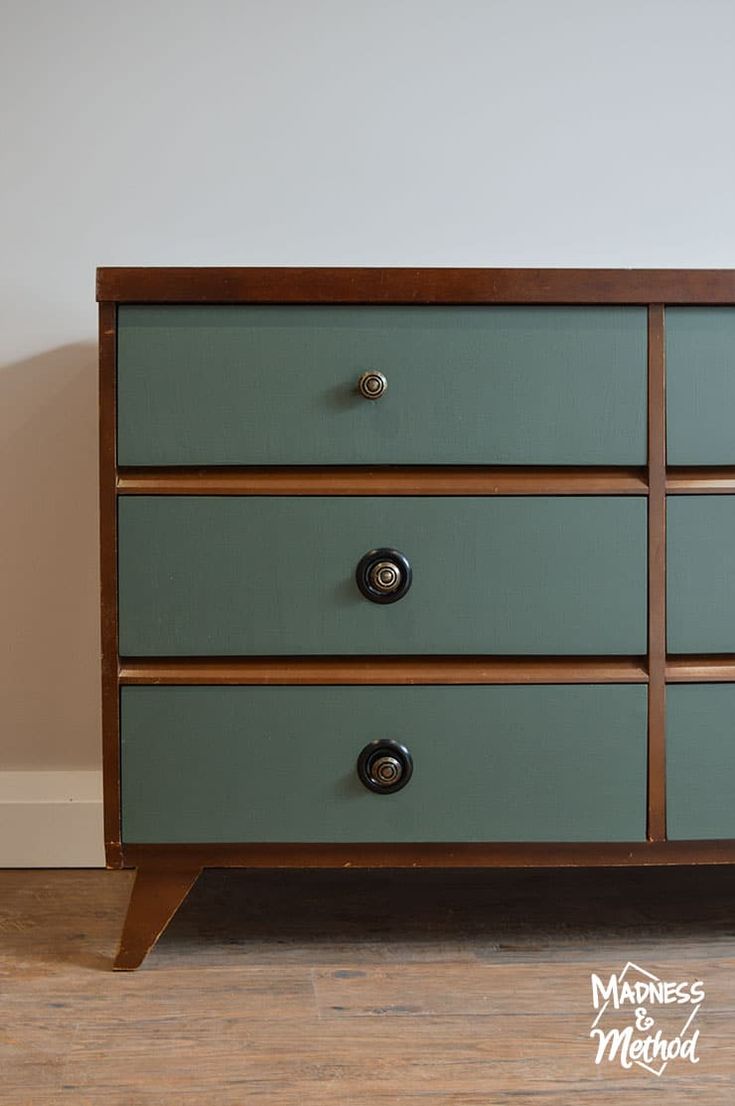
(372, 989)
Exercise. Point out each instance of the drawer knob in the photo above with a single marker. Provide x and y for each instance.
(372, 385)
(384, 766)
(383, 575)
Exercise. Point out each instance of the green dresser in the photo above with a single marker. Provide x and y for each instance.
(411, 568)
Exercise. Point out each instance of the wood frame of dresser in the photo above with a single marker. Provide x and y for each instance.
(168, 871)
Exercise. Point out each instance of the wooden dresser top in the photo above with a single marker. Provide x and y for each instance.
(415, 285)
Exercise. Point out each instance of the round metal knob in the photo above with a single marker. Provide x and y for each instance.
(372, 385)
(386, 769)
(384, 766)
(383, 575)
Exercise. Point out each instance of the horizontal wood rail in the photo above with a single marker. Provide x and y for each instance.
(436, 286)
(430, 854)
(359, 480)
(419, 480)
(383, 670)
(420, 670)
(700, 481)
(717, 668)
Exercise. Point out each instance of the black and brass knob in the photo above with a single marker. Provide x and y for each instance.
(383, 575)
(384, 766)
(372, 385)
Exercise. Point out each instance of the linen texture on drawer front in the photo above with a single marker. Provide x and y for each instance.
(275, 575)
(700, 579)
(491, 763)
(700, 761)
(700, 385)
(242, 385)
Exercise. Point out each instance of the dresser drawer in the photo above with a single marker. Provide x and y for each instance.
(700, 761)
(229, 575)
(700, 385)
(538, 763)
(700, 584)
(249, 385)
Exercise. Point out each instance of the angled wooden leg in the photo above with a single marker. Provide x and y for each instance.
(157, 894)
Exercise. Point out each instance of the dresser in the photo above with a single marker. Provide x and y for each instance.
(414, 567)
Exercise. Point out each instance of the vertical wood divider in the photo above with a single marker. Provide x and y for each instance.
(108, 583)
(656, 830)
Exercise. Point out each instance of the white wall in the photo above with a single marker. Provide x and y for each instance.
(275, 132)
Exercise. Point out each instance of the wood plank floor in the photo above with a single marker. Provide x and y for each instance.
(341, 988)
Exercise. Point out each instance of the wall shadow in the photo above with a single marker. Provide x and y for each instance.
(49, 578)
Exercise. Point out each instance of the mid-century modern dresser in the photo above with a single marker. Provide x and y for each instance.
(409, 567)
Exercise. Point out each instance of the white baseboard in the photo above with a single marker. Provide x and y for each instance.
(51, 820)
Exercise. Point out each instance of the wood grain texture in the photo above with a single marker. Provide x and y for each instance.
(392, 480)
(396, 285)
(156, 896)
(382, 670)
(698, 669)
(370, 988)
(700, 481)
(108, 581)
(433, 855)
(420, 480)
(656, 575)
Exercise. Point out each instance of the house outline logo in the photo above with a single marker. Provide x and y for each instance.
(640, 1042)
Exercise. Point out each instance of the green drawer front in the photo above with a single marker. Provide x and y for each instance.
(701, 574)
(275, 575)
(700, 761)
(240, 385)
(700, 385)
(540, 763)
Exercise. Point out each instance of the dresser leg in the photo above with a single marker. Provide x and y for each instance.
(157, 894)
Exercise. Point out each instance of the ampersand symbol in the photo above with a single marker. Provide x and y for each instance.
(641, 1020)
